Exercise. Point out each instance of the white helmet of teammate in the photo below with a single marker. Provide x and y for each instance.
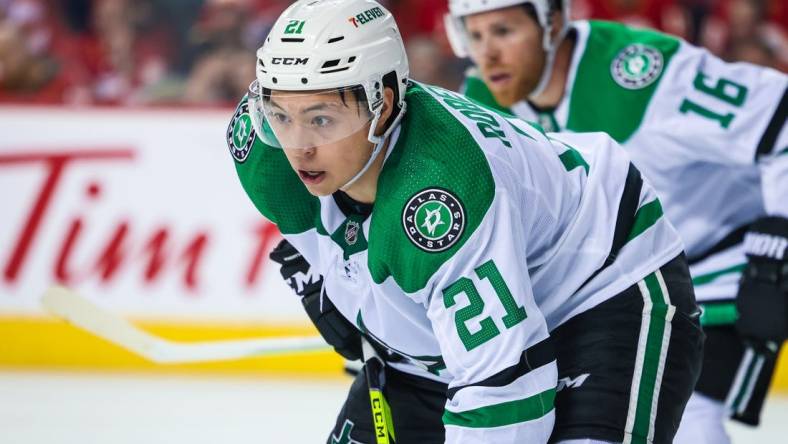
(458, 38)
(352, 47)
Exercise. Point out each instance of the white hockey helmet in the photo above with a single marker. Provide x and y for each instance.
(458, 37)
(319, 46)
(459, 9)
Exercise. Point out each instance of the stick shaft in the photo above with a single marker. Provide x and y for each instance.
(374, 369)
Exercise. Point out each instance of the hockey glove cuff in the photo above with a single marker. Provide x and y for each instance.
(332, 325)
(762, 301)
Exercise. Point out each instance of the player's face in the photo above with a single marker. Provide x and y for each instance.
(506, 45)
(331, 133)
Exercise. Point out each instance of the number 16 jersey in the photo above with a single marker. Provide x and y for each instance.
(709, 135)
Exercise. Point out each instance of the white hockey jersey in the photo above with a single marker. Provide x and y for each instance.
(709, 135)
(485, 235)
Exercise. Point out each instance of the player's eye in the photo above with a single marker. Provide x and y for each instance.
(475, 36)
(321, 121)
(280, 118)
(501, 31)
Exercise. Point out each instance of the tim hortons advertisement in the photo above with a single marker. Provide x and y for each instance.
(139, 211)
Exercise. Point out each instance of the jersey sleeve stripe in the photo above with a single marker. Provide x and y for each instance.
(572, 159)
(625, 220)
(646, 216)
(769, 138)
(532, 358)
(708, 278)
(627, 210)
(505, 413)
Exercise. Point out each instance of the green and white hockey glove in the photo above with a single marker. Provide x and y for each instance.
(762, 301)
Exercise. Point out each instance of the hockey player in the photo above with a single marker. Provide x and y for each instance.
(471, 249)
(709, 135)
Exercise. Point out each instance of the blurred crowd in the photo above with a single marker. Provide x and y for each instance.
(201, 52)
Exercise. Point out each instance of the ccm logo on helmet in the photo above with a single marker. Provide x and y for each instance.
(289, 60)
(366, 16)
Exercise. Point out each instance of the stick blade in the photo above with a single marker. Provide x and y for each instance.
(80, 312)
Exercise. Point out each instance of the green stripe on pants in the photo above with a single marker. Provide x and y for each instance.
(650, 360)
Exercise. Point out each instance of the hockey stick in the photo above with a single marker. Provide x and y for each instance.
(82, 313)
(382, 424)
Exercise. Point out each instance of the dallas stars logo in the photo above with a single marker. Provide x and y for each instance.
(241, 131)
(433, 219)
(637, 66)
(240, 134)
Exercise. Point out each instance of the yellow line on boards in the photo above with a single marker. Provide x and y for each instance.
(44, 342)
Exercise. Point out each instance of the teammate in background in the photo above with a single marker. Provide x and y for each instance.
(471, 249)
(709, 135)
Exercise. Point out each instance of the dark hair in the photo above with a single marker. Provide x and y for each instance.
(529, 9)
(554, 5)
(358, 93)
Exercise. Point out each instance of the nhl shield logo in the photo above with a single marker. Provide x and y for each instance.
(351, 232)
(433, 219)
(240, 133)
(637, 66)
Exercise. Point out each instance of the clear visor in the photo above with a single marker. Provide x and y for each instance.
(307, 119)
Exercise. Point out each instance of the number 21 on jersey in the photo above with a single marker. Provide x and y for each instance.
(515, 314)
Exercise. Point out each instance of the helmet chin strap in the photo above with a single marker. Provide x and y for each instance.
(550, 51)
(379, 141)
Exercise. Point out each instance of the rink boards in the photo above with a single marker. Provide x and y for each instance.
(140, 211)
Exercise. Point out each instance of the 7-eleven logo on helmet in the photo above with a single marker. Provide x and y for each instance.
(365, 17)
